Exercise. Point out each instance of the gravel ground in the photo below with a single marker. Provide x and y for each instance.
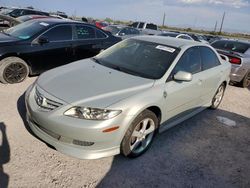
(200, 152)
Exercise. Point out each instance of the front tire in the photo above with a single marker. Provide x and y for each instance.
(13, 70)
(218, 97)
(140, 135)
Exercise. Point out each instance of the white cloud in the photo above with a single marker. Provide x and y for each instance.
(232, 3)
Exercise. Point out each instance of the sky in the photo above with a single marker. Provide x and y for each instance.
(201, 14)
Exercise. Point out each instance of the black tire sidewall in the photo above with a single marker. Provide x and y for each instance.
(125, 145)
(244, 81)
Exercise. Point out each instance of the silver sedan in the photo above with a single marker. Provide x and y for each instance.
(117, 101)
(238, 54)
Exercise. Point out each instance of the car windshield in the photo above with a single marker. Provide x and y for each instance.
(234, 46)
(27, 29)
(139, 58)
(112, 29)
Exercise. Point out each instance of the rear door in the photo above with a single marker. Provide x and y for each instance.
(213, 72)
(88, 41)
(184, 97)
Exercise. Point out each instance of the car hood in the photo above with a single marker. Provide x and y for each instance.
(5, 39)
(90, 84)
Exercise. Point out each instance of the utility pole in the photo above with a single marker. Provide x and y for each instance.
(163, 22)
(215, 27)
(222, 21)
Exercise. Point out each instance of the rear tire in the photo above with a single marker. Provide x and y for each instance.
(140, 134)
(246, 80)
(218, 97)
(13, 70)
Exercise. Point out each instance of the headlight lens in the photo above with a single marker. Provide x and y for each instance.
(91, 113)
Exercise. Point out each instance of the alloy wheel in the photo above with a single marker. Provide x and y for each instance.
(15, 73)
(218, 96)
(142, 135)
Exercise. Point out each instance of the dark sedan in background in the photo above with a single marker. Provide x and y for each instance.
(37, 45)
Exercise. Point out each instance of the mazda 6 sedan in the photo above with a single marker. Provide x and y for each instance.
(117, 101)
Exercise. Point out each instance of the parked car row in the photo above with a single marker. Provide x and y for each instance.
(114, 101)
(37, 45)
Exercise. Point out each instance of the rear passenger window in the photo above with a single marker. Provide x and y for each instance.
(59, 33)
(190, 61)
(85, 32)
(209, 58)
(151, 26)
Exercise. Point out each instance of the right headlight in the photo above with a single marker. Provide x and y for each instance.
(91, 113)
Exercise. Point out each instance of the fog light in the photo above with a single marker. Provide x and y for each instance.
(82, 143)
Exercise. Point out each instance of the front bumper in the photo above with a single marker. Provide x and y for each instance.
(61, 131)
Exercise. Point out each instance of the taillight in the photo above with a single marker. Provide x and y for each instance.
(235, 60)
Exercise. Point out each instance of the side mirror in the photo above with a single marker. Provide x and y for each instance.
(183, 76)
(43, 40)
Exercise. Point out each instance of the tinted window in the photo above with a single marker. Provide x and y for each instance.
(27, 12)
(140, 58)
(151, 26)
(209, 58)
(85, 32)
(100, 34)
(59, 33)
(190, 62)
(16, 13)
(235, 46)
(135, 24)
(141, 25)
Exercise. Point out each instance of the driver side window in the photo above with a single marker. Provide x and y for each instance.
(190, 61)
(59, 33)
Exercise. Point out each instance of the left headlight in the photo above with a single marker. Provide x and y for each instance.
(91, 113)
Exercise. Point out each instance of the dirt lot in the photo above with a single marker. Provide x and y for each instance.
(201, 152)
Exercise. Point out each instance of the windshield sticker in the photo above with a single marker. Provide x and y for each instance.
(165, 48)
(44, 24)
(24, 37)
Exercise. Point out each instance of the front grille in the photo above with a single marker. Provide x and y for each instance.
(45, 103)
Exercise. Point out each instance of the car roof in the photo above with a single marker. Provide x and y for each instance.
(169, 41)
(53, 21)
(235, 40)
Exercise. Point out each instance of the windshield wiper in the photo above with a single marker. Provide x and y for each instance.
(97, 60)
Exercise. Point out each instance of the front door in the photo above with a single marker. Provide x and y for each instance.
(184, 96)
(55, 52)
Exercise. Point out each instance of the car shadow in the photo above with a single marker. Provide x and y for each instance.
(200, 152)
(4, 156)
(21, 108)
